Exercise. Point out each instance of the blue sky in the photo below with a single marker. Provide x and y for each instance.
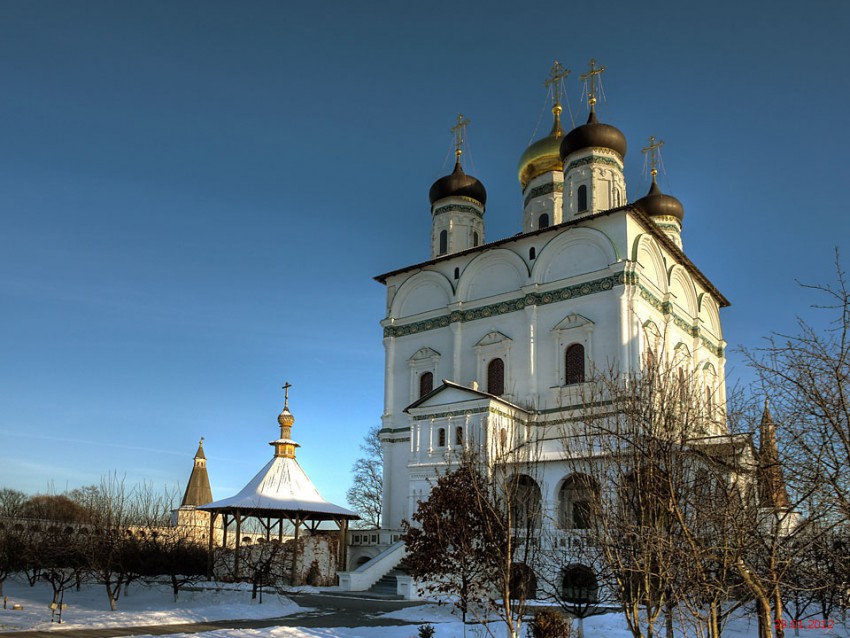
(195, 196)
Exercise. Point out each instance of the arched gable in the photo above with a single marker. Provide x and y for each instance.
(682, 291)
(574, 252)
(647, 254)
(709, 314)
(424, 291)
(492, 273)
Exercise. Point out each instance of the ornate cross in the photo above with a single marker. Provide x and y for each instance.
(654, 149)
(591, 75)
(286, 387)
(557, 74)
(459, 129)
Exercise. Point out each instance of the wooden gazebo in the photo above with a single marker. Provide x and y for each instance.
(281, 491)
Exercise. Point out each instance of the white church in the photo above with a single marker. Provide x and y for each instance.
(491, 341)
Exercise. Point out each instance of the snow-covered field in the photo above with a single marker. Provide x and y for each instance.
(153, 605)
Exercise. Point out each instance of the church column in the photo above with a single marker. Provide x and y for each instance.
(457, 333)
(626, 336)
(389, 350)
(532, 389)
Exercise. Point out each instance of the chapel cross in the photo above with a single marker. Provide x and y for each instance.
(591, 75)
(458, 130)
(654, 150)
(557, 74)
(286, 387)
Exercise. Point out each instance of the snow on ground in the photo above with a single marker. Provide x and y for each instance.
(152, 605)
(143, 605)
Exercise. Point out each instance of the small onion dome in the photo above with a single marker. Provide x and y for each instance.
(458, 184)
(594, 134)
(543, 156)
(657, 204)
(285, 418)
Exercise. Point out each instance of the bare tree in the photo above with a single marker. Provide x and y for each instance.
(11, 503)
(366, 494)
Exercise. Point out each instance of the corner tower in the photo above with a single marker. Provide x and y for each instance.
(541, 171)
(593, 161)
(457, 206)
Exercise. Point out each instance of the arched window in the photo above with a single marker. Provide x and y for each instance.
(474, 239)
(496, 377)
(457, 273)
(426, 383)
(574, 364)
(579, 586)
(524, 502)
(441, 437)
(459, 435)
(582, 198)
(532, 253)
(523, 582)
(444, 242)
(543, 221)
(576, 500)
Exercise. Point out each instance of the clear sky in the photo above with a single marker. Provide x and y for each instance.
(195, 196)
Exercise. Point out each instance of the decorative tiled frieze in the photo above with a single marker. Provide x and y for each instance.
(531, 299)
(544, 189)
(593, 159)
(458, 208)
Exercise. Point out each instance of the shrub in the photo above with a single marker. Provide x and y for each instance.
(549, 623)
(426, 631)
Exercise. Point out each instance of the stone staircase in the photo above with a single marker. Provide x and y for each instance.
(387, 586)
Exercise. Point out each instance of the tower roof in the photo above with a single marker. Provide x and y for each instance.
(657, 204)
(458, 184)
(198, 490)
(593, 134)
(771, 486)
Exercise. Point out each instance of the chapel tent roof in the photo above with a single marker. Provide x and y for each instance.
(198, 490)
(282, 488)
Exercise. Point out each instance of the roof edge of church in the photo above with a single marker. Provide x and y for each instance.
(646, 222)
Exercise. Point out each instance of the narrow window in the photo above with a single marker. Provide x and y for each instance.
(543, 221)
(459, 435)
(426, 383)
(574, 364)
(457, 273)
(474, 239)
(496, 377)
(444, 242)
(582, 198)
(532, 253)
(616, 197)
(441, 437)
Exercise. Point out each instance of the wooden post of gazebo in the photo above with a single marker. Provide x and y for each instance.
(210, 545)
(238, 517)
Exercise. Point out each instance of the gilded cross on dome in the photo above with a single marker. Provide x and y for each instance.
(557, 74)
(459, 129)
(591, 76)
(654, 150)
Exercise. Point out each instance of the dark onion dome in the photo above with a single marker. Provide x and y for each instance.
(657, 204)
(458, 184)
(542, 156)
(594, 134)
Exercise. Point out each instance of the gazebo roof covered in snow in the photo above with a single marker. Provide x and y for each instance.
(282, 489)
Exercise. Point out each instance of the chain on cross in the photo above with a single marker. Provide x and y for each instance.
(557, 74)
(591, 76)
(654, 150)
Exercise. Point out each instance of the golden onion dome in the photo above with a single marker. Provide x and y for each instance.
(285, 418)
(544, 155)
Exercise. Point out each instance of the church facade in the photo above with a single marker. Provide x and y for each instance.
(492, 343)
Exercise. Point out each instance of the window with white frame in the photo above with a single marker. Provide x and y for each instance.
(494, 362)
(423, 370)
(572, 339)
